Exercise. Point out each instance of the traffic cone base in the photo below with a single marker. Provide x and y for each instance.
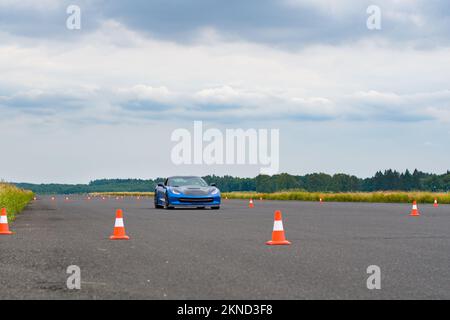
(5, 232)
(119, 237)
(278, 243)
(4, 228)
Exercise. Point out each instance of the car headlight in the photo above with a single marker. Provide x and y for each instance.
(215, 191)
(175, 191)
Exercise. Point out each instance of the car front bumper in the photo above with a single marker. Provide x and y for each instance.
(190, 201)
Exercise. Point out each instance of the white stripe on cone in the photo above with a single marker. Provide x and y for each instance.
(278, 226)
(119, 222)
(3, 220)
(414, 207)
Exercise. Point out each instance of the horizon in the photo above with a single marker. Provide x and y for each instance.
(233, 176)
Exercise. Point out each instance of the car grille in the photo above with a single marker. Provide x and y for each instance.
(195, 192)
(196, 199)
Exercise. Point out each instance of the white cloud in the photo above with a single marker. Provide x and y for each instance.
(368, 79)
(143, 92)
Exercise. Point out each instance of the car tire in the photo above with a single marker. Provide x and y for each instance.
(167, 205)
(157, 206)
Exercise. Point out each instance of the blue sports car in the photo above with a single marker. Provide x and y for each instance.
(186, 192)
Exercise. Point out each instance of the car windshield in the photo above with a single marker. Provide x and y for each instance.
(187, 181)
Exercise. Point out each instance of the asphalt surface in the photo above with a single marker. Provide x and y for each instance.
(206, 254)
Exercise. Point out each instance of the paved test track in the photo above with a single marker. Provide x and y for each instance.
(206, 254)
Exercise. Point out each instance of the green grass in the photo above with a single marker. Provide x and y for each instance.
(14, 199)
(122, 194)
(373, 197)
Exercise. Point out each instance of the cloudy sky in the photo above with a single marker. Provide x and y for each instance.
(102, 101)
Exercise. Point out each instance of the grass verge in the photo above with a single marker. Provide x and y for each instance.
(14, 199)
(122, 194)
(371, 197)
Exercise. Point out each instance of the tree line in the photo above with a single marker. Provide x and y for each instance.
(388, 180)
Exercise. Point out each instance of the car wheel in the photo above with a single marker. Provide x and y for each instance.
(157, 206)
(215, 208)
(167, 205)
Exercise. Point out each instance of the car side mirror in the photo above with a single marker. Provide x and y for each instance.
(213, 185)
(161, 185)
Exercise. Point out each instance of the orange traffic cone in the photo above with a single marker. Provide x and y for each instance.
(250, 204)
(415, 210)
(260, 198)
(321, 200)
(119, 228)
(278, 236)
(4, 228)
(436, 204)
